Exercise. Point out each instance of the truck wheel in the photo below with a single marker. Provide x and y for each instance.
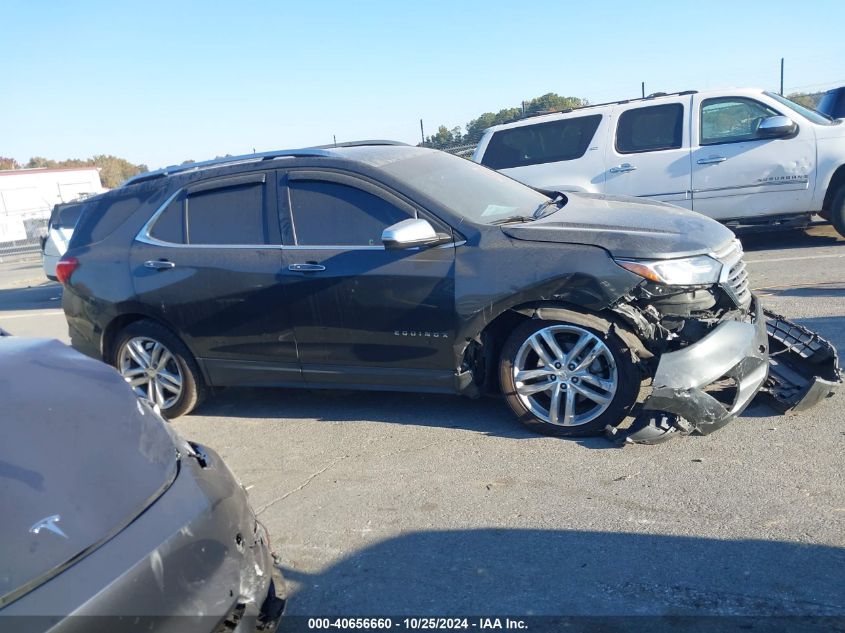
(837, 211)
(566, 379)
(159, 367)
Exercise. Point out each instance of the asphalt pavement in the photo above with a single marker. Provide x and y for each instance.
(392, 504)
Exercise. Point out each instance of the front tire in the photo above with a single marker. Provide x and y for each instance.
(159, 367)
(837, 211)
(566, 379)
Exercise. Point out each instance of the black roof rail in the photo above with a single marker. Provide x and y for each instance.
(365, 143)
(305, 152)
(244, 158)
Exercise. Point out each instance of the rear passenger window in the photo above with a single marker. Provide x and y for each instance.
(232, 215)
(650, 129)
(170, 225)
(329, 214)
(566, 139)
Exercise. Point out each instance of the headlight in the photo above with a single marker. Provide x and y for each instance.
(689, 271)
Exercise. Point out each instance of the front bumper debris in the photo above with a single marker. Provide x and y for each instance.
(803, 367)
(702, 387)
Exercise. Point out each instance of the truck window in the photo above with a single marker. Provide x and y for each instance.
(731, 119)
(650, 129)
(565, 139)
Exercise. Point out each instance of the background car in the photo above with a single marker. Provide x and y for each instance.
(832, 103)
(107, 512)
(745, 157)
(60, 227)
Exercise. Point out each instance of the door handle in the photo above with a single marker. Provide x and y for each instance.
(711, 160)
(159, 264)
(306, 268)
(622, 169)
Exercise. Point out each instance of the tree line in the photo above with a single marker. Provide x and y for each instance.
(113, 170)
(549, 102)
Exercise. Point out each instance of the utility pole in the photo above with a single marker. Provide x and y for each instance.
(643, 87)
(334, 138)
(781, 76)
(523, 108)
(422, 131)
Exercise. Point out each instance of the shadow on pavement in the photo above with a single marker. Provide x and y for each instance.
(815, 236)
(47, 296)
(490, 416)
(825, 289)
(488, 572)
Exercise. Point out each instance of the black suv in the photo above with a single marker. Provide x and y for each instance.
(384, 266)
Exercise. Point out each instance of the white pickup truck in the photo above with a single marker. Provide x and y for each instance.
(741, 156)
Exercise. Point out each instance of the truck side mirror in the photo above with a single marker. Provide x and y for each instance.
(776, 127)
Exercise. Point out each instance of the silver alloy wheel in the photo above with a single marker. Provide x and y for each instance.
(151, 370)
(565, 375)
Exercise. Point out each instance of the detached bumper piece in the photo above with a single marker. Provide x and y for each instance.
(803, 367)
(701, 388)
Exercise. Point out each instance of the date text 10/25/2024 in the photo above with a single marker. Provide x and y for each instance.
(424, 623)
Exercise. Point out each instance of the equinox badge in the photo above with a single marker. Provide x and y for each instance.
(49, 524)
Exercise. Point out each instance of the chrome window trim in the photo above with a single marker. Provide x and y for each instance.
(145, 237)
(332, 247)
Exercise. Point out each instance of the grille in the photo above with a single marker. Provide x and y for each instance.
(734, 278)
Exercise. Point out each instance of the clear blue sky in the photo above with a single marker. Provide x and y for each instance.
(160, 82)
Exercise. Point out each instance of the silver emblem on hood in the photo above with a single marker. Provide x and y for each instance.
(49, 524)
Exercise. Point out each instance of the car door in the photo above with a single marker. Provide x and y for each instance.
(365, 315)
(208, 265)
(737, 174)
(650, 153)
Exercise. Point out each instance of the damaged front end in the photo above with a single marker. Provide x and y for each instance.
(715, 349)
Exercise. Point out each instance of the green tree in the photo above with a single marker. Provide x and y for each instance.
(444, 137)
(552, 102)
(808, 100)
(39, 162)
(549, 102)
(115, 171)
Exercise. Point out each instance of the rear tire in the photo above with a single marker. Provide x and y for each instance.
(567, 379)
(837, 211)
(159, 367)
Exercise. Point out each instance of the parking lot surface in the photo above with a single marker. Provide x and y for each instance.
(392, 504)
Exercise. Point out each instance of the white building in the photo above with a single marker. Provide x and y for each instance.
(27, 196)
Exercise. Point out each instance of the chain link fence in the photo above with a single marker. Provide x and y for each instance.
(34, 232)
(462, 149)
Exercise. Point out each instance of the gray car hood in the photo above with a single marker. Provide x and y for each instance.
(626, 227)
(75, 443)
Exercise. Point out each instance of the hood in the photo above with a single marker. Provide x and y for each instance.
(626, 227)
(80, 457)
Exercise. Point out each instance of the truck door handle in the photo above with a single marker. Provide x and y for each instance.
(306, 268)
(159, 264)
(622, 169)
(711, 160)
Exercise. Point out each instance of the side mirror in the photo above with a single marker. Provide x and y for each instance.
(776, 127)
(410, 233)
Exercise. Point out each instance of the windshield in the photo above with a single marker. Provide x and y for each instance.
(812, 115)
(476, 193)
